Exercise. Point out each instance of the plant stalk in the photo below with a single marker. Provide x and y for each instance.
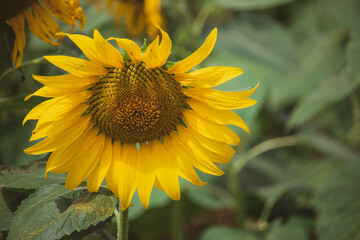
(122, 219)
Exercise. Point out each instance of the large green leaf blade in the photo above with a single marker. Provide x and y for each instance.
(227, 233)
(53, 212)
(30, 180)
(321, 97)
(339, 206)
(251, 4)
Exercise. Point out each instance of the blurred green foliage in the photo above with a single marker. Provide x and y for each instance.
(297, 176)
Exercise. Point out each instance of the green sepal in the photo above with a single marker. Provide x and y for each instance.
(144, 46)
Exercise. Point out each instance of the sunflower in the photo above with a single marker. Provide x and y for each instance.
(134, 119)
(138, 14)
(39, 17)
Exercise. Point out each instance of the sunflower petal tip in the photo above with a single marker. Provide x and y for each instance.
(61, 34)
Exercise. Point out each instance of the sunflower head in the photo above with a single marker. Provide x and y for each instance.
(135, 121)
(39, 16)
(137, 15)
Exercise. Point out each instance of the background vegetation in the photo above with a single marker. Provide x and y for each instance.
(296, 177)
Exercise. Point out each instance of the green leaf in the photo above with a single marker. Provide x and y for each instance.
(353, 52)
(259, 38)
(206, 200)
(5, 213)
(158, 199)
(323, 57)
(251, 4)
(7, 39)
(339, 206)
(30, 180)
(323, 96)
(295, 229)
(53, 212)
(227, 233)
(328, 145)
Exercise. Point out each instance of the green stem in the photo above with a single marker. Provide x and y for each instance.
(238, 165)
(35, 61)
(122, 219)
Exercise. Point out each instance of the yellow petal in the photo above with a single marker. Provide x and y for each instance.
(213, 145)
(208, 77)
(77, 66)
(209, 129)
(146, 174)
(184, 169)
(109, 54)
(165, 170)
(164, 48)
(66, 137)
(98, 174)
(42, 24)
(54, 128)
(197, 57)
(220, 99)
(51, 109)
(191, 158)
(185, 135)
(66, 81)
(84, 162)
(126, 176)
(18, 25)
(113, 172)
(151, 55)
(216, 115)
(87, 46)
(131, 48)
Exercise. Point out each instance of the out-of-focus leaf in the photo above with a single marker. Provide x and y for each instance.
(53, 212)
(353, 52)
(324, 56)
(259, 38)
(251, 4)
(7, 39)
(227, 233)
(339, 206)
(5, 213)
(158, 199)
(30, 180)
(319, 98)
(295, 229)
(14, 139)
(328, 145)
(205, 199)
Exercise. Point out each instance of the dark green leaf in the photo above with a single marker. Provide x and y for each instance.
(206, 199)
(53, 212)
(339, 206)
(30, 180)
(328, 145)
(294, 229)
(7, 39)
(321, 97)
(227, 233)
(5, 213)
(251, 4)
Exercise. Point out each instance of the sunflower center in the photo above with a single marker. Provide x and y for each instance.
(11, 8)
(136, 104)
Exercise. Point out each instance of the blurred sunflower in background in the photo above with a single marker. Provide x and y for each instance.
(139, 15)
(40, 19)
(134, 118)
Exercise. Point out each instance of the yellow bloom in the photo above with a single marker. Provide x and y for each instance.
(40, 20)
(134, 121)
(138, 14)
